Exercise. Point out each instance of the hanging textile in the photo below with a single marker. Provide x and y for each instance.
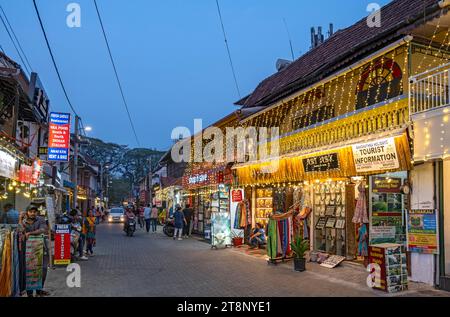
(272, 236)
(243, 215)
(5, 274)
(34, 262)
(237, 215)
(279, 238)
(361, 206)
(15, 265)
(3, 233)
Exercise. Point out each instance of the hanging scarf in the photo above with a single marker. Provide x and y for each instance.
(34, 255)
(272, 239)
(15, 265)
(6, 273)
(361, 206)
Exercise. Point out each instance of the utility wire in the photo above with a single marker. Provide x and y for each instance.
(228, 49)
(1, 48)
(17, 40)
(15, 46)
(53, 60)
(116, 73)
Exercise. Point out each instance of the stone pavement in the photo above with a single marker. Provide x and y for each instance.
(154, 265)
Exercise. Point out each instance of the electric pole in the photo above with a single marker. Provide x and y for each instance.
(75, 162)
(150, 181)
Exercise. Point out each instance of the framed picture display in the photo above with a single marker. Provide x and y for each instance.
(331, 222)
(321, 223)
(340, 224)
(330, 210)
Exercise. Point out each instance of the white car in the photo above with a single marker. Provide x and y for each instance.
(116, 215)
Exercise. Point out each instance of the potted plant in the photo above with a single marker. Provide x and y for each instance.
(299, 246)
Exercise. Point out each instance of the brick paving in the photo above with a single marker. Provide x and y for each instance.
(154, 265)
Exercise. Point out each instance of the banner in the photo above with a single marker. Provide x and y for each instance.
(236, 195)
(25, 174)
(374, 156)
(34, 257)
(59, 137)
(62, 245)
(7, 165)
(422, 231)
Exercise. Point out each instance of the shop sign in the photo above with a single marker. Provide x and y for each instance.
(379, 155)
(386, 185)
(59, 137)
(62, 245)
(422, 231)
(236, 195)
(382, 234)
(25, 174)
(7, 165)
(321, 163)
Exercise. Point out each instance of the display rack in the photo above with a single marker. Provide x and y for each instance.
(329, 212)
(264, 205)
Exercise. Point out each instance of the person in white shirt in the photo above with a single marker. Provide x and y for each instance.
(147, 217)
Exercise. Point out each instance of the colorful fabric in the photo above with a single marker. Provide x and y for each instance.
(6, 272)
(34, 255)
(363, 249)
(237, 217)
(361, 206)
(15, 265)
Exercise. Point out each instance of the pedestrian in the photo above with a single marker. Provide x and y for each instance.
(188, 216)
(141, 217)
(154, 219)
(10, 215)
(147, 216)
(82, 239)
(98, 215)
(30, 224)
(89, 229)
(180, 221)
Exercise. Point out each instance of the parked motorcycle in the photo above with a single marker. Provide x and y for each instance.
(130, 226)
(169, 227)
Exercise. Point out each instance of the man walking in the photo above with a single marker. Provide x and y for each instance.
(11, 216)
(154, 219)
(188, 216)
(147, 217)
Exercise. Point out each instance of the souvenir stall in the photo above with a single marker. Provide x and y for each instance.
(208, 192)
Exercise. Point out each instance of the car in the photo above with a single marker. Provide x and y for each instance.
(116, 215)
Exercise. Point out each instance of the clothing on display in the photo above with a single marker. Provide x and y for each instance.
(241, 219)
(279, 237)
(363, 237)
(6, 272)
(361, 206)
(34, 263)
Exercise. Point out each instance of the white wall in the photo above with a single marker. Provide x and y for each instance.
(422, 197)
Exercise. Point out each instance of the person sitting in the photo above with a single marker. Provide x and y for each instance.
(258, 238)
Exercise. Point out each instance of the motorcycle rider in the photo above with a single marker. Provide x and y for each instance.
(129, 214)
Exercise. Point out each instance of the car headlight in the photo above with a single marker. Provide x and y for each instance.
(110, 219)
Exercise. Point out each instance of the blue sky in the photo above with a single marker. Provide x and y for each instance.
(170, 55)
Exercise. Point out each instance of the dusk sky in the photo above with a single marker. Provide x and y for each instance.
(170, 55)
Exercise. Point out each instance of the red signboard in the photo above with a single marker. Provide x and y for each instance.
(236, 195)
(62, 245)
(25, 174)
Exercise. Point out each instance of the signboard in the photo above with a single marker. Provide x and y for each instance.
(379, 155)
(62, 245)
(7, 165)
(198, 179)
(59, 137)
(25, 174)
(50, 207)
(236, 195)
(422, 231)
(43, 150)
(386, 185)
(382, 234)
(321, 163)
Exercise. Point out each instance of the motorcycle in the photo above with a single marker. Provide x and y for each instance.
(75, 233)
(130, 226)
(169, 227)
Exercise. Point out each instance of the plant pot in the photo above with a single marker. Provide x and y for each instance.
(299, 264)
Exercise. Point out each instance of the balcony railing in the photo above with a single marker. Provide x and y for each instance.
(430, 90)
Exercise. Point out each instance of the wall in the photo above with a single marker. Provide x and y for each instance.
(447, 215)
(422, 196)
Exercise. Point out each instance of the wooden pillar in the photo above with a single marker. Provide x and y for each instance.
(350, 234)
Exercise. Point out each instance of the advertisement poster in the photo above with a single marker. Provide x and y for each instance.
(236, 195)
(25, 174)
(376, 156)
(62, 245)
(220, 229)
(422, 231)
(7, 165)
(59, 137)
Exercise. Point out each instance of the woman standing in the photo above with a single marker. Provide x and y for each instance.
(89, 226)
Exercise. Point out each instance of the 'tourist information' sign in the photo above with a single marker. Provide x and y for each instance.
(376, 156)
(59, 137)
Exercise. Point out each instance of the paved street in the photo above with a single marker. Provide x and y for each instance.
(154, 265)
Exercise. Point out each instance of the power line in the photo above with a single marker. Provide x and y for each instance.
(53, 60)
(15, 46)
(228, 49)
(116, 73)
(17, 40)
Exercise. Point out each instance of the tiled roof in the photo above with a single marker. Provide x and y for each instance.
(345, 44)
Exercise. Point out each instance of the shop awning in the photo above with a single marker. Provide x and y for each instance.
(334, 161)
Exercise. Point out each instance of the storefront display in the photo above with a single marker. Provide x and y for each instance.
(220, 229)
(329, 213)
(264, 205)
(392, 262)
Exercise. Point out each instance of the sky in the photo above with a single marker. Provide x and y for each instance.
(170, 55)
